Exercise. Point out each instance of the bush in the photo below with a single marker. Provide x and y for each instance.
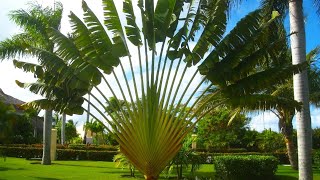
(316, 158)
(92, 147)
(245, 167)
(208, 157)
(62, 154)
(21, 152)
(70, 154)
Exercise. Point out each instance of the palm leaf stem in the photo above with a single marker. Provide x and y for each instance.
(123, 95)
(127, 84)
(134, 82)
(123, 131)
(159, 63)
(117, 100)
(99, 111)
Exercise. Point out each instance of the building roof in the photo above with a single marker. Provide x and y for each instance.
(7, 99)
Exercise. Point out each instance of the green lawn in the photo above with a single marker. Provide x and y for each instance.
(14, 168)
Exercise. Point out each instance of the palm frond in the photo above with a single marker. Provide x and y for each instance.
(132, 30)
(113, 23)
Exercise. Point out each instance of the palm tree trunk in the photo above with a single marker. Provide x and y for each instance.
(287, 132)
(88, 117)
(301, 90)
(47, 125)
(63, 129)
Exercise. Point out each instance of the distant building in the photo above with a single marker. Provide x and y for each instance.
(37, 122)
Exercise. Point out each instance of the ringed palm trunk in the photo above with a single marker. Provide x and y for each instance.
(63, 129)
(301, 90)
(47, 125)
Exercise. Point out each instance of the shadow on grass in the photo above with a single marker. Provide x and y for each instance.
(10, 169)
(44, 178)
(285, 177)
(79, 165)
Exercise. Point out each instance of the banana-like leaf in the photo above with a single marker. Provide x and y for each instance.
(212, 32)
(163, 16)
(29, 67)
(113, 23)
(132, 30)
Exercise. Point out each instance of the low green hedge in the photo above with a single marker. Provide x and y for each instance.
(245, 167)
(70, 154)
(21, 152)
(62, 154)
(208, 157)
(69, 146)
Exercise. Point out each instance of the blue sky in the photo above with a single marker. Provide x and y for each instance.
(267, 120)
(259, 122)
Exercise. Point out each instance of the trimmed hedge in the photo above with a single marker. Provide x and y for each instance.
(62, 154)
(70, 146)
(21, 152)
(208, 157)
(70, 154)
(245, 167)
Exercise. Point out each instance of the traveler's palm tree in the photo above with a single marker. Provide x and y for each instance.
(34, 23)
(150, 59)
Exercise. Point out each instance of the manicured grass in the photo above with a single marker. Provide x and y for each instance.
(14, 168)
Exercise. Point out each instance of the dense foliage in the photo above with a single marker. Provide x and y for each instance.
(215, 133)
(70, 131)
(17, 128)
(245, 167)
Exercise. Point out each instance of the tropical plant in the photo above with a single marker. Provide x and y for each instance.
(70, 130)
(316, 138)
(184, 158)
(260, 98)
(300, 80)
(96, 127)
(8, 117)
(215, 133)
(270, 141)
(285, 116)
(151, 133)
(34, 23)
(122, 160)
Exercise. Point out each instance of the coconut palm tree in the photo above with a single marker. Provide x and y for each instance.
(286, 116)
(34, 23)
(300, 80)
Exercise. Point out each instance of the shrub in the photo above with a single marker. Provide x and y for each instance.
(316, 158)
(245, 167)
(62, 154)
(21, 152)
(207, 157)
(92, 147)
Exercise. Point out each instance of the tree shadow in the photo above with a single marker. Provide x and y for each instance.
(285, 177)
(45, 178)
(78, 165)
(11, 169)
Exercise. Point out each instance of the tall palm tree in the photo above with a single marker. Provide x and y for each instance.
(151, 133)
(300, 80)
(34, 23)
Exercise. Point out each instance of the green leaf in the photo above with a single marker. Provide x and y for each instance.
(132, 30)
(113, 23)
